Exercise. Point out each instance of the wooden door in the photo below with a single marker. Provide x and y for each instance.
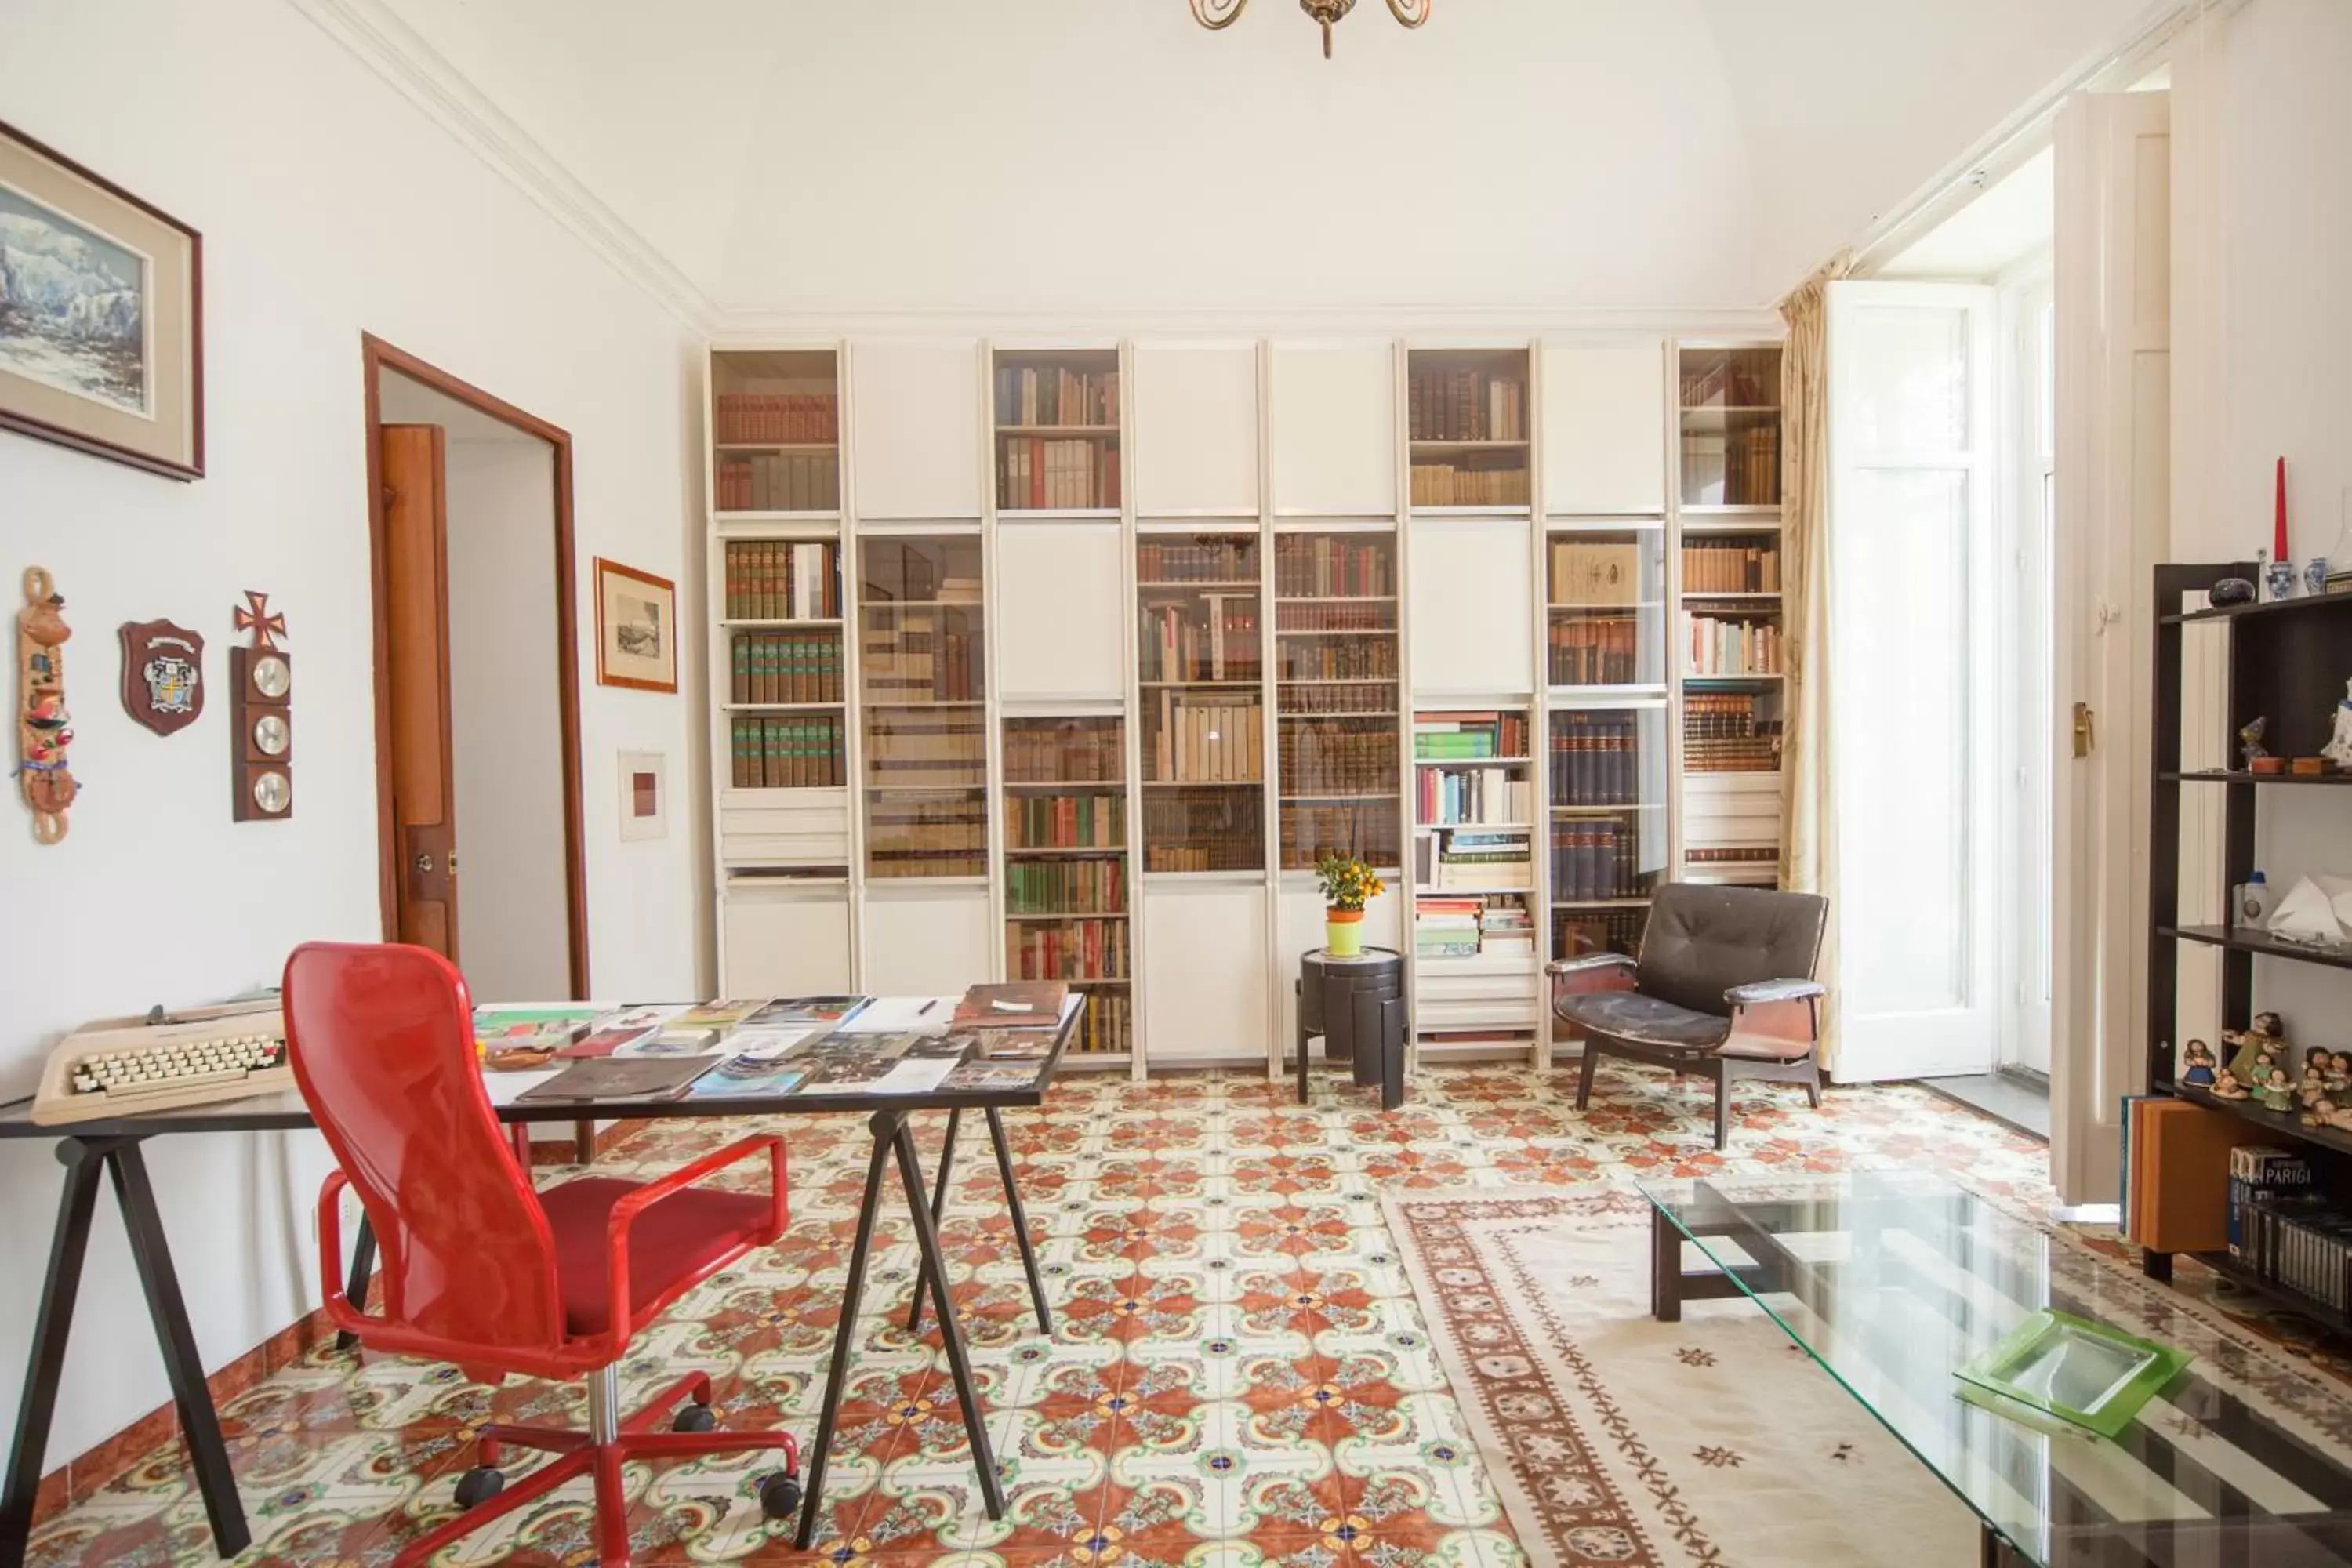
(416, 613)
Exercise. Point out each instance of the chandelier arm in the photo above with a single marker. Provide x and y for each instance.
(1221, 13)
(1412, 13)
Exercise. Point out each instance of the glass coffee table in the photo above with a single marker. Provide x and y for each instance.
(1894, 1280)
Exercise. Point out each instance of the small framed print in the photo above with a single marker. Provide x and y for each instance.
(101, 330)
(636, 628)
(644, 795)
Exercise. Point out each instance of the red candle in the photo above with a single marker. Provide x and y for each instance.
(2278, 550)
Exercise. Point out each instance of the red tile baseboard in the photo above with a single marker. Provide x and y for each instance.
(85, 1474)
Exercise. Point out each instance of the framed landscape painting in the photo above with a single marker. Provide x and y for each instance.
(101, 315)
(636, 628)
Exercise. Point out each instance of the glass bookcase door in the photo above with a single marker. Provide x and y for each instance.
(1606, 783)
(1068, 902)
(1201, 687)
(1467, 421)
(1337, 674)
(775, 432)
(923, 686)
(1057, 430)
(1731, 427)
(1606, 609)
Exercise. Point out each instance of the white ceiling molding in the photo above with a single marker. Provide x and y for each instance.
(422, 75)
(1514, 322)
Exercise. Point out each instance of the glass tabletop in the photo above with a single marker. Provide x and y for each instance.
(1895, 1280)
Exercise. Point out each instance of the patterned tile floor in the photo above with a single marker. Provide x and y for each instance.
(1239, 1376)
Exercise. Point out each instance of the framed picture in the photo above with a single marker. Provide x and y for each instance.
(636, 628)
(644, 795)
(101, 315)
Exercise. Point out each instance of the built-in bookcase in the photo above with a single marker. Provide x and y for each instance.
(923, 687)
(1200, 692)
(1069, 903)
(1057, 444)
(776, 431)
(1337, 674)
(1474, 888)
(1468, 418)
(1730, 418)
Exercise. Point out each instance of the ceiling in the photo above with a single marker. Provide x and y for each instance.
(833, 157)
(2012, 219)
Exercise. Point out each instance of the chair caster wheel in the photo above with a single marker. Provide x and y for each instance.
(780, 1497)
(479, 1485)
(694, 1419)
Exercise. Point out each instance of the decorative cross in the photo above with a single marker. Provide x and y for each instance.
(258, 620)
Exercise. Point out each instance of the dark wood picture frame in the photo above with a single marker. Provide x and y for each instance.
(604, 675)
(45, 429)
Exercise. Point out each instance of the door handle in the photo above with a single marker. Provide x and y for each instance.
(2085, 729)
(423, 865)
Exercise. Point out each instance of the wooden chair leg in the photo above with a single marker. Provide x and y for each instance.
(1813, 1081)
(1584, 1072)
(1722, 1105)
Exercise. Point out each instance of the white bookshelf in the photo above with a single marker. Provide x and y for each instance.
(1247, 438)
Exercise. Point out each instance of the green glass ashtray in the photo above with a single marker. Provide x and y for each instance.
(2083, 1373)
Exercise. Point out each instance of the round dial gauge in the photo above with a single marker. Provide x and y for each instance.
(271, 735)
(271, 792)
(271, 675)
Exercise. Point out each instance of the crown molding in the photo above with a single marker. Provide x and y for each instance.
(424, 76)
(744, 325)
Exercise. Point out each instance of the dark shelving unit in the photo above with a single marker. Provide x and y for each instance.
(2287, 660)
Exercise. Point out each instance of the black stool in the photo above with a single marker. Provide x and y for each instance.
(1357, 1005)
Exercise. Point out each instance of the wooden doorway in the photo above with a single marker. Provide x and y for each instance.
(418, 840)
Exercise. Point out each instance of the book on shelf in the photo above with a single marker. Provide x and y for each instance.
(1472, 482)
(1058, 751)
(1065, 950)
(781, 579)
(1741, 378)
(1575, 932)
(775, 668)
(1365, 830)
(1595, 572)
(1596, 759)
(2259, 1173)
(1594, 650)
(1105, 1027)
(1203, 830)
(1055, 395)
(1723, 734)
(1065, 886)
(1231, 560)
(1373, 616)
(778, 481)
(1303, 697)
(1597, 858)
(1731, 567)
(1459, 926)
(1330, 659)
(910, 747)
(1064, 822)
(1208, 738)
(1441, 737)
(1460, 796)
(919, 655)
(1732, 854)
(941, 834)
(1202, 637)
(1042, 474)
(803, 752)
(1468, 859)
(1328, 756)
(895, 572)
(1715, 646)
(792, 419)
(1325, 567)
(1458, 403)
(1735, 467)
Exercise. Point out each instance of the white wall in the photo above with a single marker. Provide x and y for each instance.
(329, 206)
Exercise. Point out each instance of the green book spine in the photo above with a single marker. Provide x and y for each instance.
(740, 689)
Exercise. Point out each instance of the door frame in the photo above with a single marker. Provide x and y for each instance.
(376, 356)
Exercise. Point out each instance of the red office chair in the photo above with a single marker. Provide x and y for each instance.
(479, 1269)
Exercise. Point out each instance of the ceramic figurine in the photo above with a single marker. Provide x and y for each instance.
(2311, 1086)
(2339, 1076)
(2276, 1094)
(2225, 1086)
(2315, 576)
(2340, 1118)
(2338, 749)
(2321, 1114)
(2252, 1054)
(2249, 738)
(2278, 576)
(2197, 1065)
(2271, 1025)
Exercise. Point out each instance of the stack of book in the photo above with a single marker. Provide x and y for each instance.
(1074, 886)
(1722, 734)
(939, 835)
(1374, 659)
(1445, 928)
(779, 481)
(1199, 561)
(1450, 795)
(1461, 404)
(772, 580)
(1054, 395)
(1071, 949)
(1322, 567)
(1075, 821)
(1366, 830)
(1203, 830)
(1731, 568)
(1475, 481)
(1467, 860)
(911, 748)
(1442, 737)
(798, 420)
(788, 753)
(1596, 857)
(1039, 474)
(1739, 467)
(1062, 751)
(1205, 636)
(1596, 759)
(1373, 616)
(1505, 929)
(1202, 737)
(1713, 646)
(915, 655)
(784, 669)
(1103, 1028)
(1308, 696)
(1595, 651)
(1326, 756)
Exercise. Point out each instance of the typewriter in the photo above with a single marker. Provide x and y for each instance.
(122, 1066)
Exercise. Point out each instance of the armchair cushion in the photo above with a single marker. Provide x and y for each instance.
(674, 1240)
(1756, 992)
(1703, 940)
(1645, 1020)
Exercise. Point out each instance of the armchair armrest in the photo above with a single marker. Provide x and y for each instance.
(1588, 964)
(339, 1311)
(625, 1212)
(1756, 992)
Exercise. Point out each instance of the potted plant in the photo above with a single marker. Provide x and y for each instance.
(1348, 885)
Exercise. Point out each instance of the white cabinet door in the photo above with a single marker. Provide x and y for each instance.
(914, 429)
(1061, 611)
(929, 944)
(784, 941)
(1605, 427)
(1473, 613)
(1195, 422)
(1204, 972)
(1334, 428)
(1301, 931)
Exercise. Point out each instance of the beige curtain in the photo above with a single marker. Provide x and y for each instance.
(1807, 821)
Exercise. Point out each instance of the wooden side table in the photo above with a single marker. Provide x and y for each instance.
(1357, 1006)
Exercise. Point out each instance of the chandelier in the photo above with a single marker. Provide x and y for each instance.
(1220, 14)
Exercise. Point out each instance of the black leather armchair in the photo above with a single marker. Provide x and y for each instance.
(1724, 987)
